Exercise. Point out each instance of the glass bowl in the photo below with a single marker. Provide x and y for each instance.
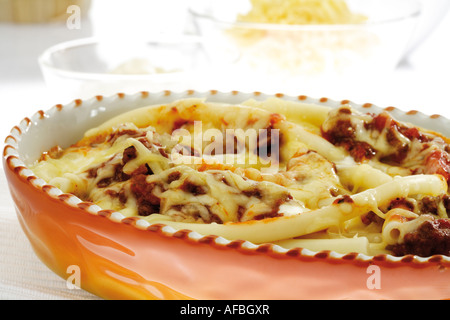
(433, 12)
(290, 56)
(87, 67)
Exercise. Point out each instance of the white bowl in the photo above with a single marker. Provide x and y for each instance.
(433, 12)
(86, 67)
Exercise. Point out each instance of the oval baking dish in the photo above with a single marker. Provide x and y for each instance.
(130, 258)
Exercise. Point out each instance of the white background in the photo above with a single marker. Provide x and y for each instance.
(421, 83)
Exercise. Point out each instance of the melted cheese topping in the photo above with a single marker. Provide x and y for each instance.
(194, 188)
(261, 171)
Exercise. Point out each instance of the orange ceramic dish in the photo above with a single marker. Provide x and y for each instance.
(129, 258)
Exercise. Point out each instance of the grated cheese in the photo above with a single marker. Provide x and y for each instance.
(301, 12)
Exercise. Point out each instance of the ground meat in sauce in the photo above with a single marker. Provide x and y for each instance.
(343, 134)
(431, 238)
(371, 217)
(173, 176)
(191, 187)
(147, 202)
(431, 205)
(438, 162)
(268, 143)
(401, 203)
(181, 123)
(129, 154)
(125, 131)
(426, 205)
(269, 140)
(275, 208)
(118, 176)
(343, 199)
(253, 192)
(121, 195)
(383, 120)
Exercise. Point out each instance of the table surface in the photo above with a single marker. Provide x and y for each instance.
(420, 83)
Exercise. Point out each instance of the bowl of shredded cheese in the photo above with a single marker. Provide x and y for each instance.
(289, 42)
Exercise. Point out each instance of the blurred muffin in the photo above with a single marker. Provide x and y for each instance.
(38, 11)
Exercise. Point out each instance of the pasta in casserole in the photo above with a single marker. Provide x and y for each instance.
(273, 171)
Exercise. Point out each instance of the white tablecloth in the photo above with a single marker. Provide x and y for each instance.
(421, 83)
